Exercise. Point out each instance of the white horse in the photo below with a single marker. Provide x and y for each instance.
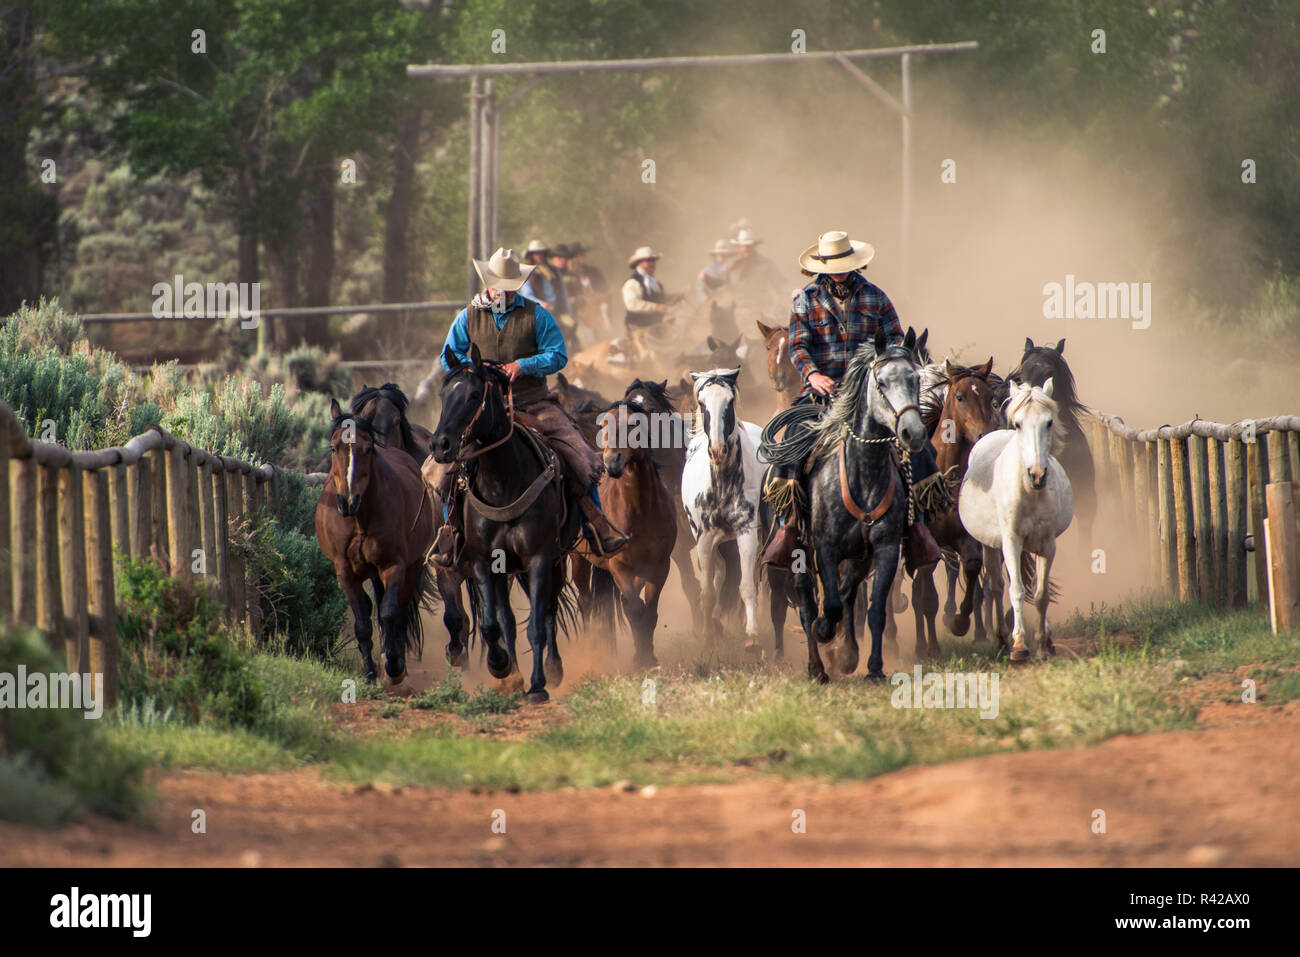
(1015, 498)
(721, 485)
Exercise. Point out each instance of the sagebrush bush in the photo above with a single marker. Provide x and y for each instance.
(175, 651)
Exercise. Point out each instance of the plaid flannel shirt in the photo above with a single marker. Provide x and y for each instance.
(822, 340)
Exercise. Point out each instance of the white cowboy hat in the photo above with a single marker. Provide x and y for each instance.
(642, 252)
(536, 246)
(503, 271)
(834, 252)
(746, 237)
(721, 248)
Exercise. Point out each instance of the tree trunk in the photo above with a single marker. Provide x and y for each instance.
(397, 220)
(320, 243)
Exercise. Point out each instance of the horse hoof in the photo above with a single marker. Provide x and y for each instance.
(498, 667)
(823, 631)
(819, 676)
(1019, 654)
(458, 659)
(960, 625)
(645, 662)
(874, 677)
(537, 697)
(751, 645)
(849, 661)
(1049, 648)
(554, 670)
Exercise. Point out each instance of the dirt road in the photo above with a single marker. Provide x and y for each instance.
(1225, 794)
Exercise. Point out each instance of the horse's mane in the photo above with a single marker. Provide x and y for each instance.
(1035, 395)
(830, 430)
(934, 391)
(657, 391)
(343, 418)
(1043, 362)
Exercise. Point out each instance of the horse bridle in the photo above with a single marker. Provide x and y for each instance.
(875, 381)
(510, 416)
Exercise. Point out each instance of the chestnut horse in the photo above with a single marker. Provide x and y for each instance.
(781, 371)
(374, 523)
(637, 501)
(966, 416)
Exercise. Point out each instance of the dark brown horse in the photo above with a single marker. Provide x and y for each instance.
(374, 523)
(637, 501)
(517, 520)
(966, 416)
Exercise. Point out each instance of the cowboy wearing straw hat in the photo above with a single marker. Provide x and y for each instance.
(830, 318)
(522, 337)
(643, 295)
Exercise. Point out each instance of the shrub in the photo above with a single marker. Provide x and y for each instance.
(54, 762)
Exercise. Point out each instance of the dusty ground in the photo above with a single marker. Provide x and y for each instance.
(1225, 794)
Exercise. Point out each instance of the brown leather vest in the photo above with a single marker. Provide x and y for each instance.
(517, 339)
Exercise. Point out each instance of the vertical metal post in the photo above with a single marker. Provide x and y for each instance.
(475, 186)
(488, 197)
(905, 233)
(496, 177)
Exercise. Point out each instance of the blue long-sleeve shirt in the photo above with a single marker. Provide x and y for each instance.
(551, 355)
(541, 288)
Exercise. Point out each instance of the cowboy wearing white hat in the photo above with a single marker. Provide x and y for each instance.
(643, 295)
(522, 337)
(757, 282)
(713, 277)
(830, 318)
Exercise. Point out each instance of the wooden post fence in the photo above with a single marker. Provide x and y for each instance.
(62, 513)
(1204, 495)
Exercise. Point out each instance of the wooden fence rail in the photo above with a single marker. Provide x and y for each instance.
(62, 513)
(1197, 495)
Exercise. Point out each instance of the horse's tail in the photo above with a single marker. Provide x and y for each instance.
(604, 598)
(568, 610)
(424, 598)
(1029, 578)
(475, 608)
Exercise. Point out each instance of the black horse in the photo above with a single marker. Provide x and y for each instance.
(1037, 365)
(517, 521)
(857, 500)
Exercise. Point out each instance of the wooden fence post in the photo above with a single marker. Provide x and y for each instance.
(221, 532)
(49, 587)
(1257, 462)
(120, 505)
(72, 548)
(1279, 458)
(1120, 462)
(139, 493)
(252, 505)
(1141, 499)
(1183, 520)
(193, 505)
(1198, 463)
(25, 507)
(6, 529)
(178, 522)
(1168, 528)
(160, 539)
(235, 511)
(207, 508)
(99, 582)
(1283, 547)
(1219, 521)
(1238, 489)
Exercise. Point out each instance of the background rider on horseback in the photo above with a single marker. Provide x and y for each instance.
(830, 318)
(522, 337)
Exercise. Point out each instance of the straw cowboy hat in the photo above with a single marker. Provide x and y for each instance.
(834, 252)
(746, 237)
(721, 248)
(503, 271)
(642, 252)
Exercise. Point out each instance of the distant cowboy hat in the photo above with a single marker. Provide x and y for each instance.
(721, 248)
(746, 237)
(503, 271)
(560, 249)
(834, 252)
(577, 249)
(536, 246)
(642, 252)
